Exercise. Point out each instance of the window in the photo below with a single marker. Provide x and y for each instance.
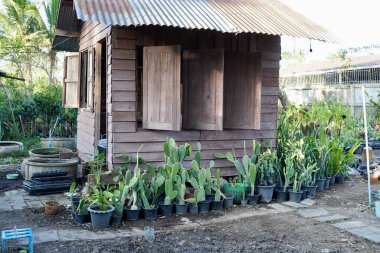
(213, 89)
(70, 81)
(87, 79)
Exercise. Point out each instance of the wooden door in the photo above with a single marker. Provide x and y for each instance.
(161, 88)
(242, 88)
(203, 89)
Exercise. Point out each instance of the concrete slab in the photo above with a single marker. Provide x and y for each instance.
(311, 213)
(46, 236)
(294, 204)
(34, 204)
(308, 202)
(69, 234)
(369, 233)
(331, 218)
(349, 224)
(280, 208)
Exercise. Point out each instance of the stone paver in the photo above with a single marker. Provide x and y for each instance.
(294, 204)
(46, 236)
(349, 224)
(368, 232)
(311, 213)
(308, 202)
(280, 208)
(34, 204)
(331, 218)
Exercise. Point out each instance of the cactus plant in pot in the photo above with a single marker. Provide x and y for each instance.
(181, 207)
(217, 203)
(308, 184)
(288, 171)
(295, 194)
(266, 166)
(252, 198)
(199, 196)
(154, 189)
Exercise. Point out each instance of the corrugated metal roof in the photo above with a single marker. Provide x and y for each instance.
(228, 16)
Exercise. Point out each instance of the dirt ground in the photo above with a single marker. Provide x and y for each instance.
(5, 184)
(287, 232)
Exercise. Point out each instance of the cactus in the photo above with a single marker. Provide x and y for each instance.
(180, 186)
(170, 194)
(296, 183)
(175, 154)
(252, 177)
(218, 192)
(288, 171)
(243, 166)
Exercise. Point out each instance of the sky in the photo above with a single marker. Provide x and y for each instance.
(353, 22)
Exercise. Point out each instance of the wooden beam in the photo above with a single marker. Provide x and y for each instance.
(65, 33)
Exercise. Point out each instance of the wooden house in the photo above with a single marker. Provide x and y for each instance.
(197, 70)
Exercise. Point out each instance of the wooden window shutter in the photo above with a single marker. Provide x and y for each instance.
(71, 81)
(242, 89)
(203, 89)
(161, 88)
(90, 78)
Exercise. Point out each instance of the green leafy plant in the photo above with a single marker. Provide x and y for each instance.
(180, 186)
(288, 171)
(243, 166)
(218, 192)
(266, 168)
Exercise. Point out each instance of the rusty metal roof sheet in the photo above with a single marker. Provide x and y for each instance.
(228, 16)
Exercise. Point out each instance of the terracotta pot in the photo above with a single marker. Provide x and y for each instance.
(52, 207)
(374, 179)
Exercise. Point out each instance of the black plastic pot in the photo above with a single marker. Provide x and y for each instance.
(295, 196)
(281, 195)
(320, 183)
(151, 213)
(194, 209)
(327, 183)
(303, 194)
(310, 191)
(165, 210)
(253, 200)
(217, 205)
(81, 218)
(266, 193)
(244, 202)
(204, 206)
(132, 215)
(228, 201)
(210, 197)
(181, 209)
(75, 202)
(339, 179)
(100, 219)
(115, 221)
(333, 179)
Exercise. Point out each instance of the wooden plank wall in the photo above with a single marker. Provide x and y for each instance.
(91, 33)
(125, 135)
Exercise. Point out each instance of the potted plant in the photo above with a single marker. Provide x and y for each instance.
(198, 197)
(100, 209)
(217, 203)
(181, 207)
(295, 194)
(52, 207)
(166, 209)
(252, 198)
(81, 214)
(244, 201)
(74, 198)
(265, 175)
(154, 189)
(308, 184)
(228, 201)
(288, 171)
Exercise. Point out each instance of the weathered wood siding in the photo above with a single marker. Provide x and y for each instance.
(91, 33)
(126, 137)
